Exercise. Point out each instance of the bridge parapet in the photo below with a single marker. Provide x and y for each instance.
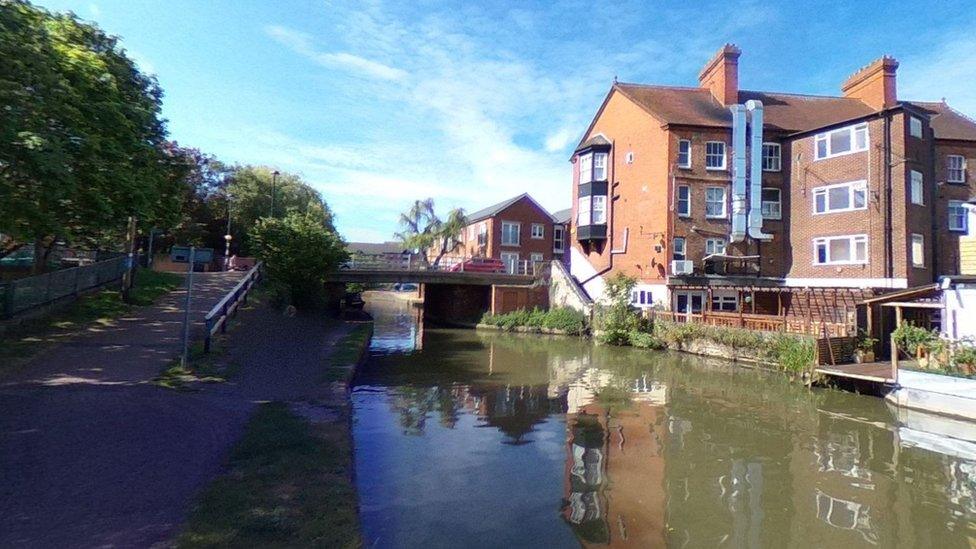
(453, 270)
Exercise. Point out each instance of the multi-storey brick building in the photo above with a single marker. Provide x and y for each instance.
(851, 195)
(517, 231)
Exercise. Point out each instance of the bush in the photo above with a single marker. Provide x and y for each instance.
(617, 319)
(564, 319)
(298, 252)
(911, 338)
(644, 340)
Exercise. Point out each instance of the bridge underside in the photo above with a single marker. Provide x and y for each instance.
(431, 277)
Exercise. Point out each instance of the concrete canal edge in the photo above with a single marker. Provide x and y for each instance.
(934, 393)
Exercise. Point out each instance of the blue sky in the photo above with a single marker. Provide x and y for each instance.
(379, 102)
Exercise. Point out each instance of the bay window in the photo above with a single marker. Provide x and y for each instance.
(842, 141)
(840, 250)
(593, 167)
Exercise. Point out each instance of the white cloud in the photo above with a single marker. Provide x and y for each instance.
(557, 141)
(94, 10)
(302, 44)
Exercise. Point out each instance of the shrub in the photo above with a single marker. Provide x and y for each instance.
(793, 353)
(911, 338)
(617, 319)
(644, 340)
(565, 319)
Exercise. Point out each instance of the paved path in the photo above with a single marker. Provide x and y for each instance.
(91, 454)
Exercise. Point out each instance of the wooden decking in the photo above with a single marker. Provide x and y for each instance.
(878, 372)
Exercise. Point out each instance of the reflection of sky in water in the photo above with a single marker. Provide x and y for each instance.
(474, 439)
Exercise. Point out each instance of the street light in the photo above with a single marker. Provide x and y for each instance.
(274, 186)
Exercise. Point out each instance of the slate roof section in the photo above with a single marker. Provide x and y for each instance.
(593, 141)
(948, 123)
(563, 216)
(495, 209)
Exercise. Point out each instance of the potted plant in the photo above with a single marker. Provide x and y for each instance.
(864, 348)
(915, 341)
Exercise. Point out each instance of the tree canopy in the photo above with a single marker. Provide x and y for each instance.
(81, 136)
(422, 229)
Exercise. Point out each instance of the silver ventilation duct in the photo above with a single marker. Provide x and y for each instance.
(755, 109)
(738, 173)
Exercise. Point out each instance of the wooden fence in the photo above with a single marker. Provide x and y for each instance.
(760, 323)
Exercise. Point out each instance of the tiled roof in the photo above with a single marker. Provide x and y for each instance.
(782, 111)
(947, 122)
(595, 140)
(563, 216)
(697, 107)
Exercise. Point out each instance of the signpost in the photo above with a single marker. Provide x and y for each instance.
(184, 358)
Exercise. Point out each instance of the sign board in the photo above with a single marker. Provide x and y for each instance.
(181, 254)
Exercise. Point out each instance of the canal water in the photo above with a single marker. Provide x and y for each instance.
(471, 439)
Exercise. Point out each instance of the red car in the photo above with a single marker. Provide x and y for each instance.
(480, 265)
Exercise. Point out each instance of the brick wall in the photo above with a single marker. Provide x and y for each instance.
(505, 299)
(947, 249)
(524, 212)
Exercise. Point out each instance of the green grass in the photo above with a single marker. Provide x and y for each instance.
(92, 311)
(289, 485)
(347, 352)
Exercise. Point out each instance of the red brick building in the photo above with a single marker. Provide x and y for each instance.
(837, 197)
(517, 231)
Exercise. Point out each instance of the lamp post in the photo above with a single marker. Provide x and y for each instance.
(274, 187)
(227, 237)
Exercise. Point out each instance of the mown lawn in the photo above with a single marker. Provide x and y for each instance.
(289, 484)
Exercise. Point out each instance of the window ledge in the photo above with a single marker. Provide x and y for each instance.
(716, 169)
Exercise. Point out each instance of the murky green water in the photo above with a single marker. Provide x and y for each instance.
(493, 440)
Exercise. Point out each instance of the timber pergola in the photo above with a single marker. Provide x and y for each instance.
(900, 301)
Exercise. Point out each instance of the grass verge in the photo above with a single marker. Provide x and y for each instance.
(289, 485)
(91, 311)
(347, 352)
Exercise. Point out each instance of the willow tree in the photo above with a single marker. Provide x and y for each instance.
(423, 230)
(80, 135)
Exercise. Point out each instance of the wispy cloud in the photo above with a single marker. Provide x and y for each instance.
(944, 72)
(303, 44)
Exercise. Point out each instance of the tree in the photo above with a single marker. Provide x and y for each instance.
(422, 229)
(80, 137)
(298, 252)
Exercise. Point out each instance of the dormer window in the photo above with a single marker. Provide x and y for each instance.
(593, 167)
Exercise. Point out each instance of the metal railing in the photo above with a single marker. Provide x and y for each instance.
(458, 264)
(17, 296)
(217, 318)
(760, 323)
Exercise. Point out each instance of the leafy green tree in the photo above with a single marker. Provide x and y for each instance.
(422, 229)
(616, 319)
(298, 252)
(80, 135)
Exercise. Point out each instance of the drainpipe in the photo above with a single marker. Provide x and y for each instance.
(756, 171)
(738, 233)
(889, 260)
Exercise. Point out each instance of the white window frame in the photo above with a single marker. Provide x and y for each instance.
(955, 174)
(558, 232)
(772, 162)
(916, 187)
(518, 233)
(774, 207)
(679, 247)
(687, 153)
(600, 167)
(687, 202)
(852, 132)
(725, 203)
(957, 210)
(915, 126)
(537, 257)
(541, 231)
(853, 241)
(482, 234)
(598, 209)
(586, 168)
(511, 261)
(918, 251)
(716, 245)
(722, 300)
(852, 186)
(713, 155)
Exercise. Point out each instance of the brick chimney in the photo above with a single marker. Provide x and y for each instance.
(721, 75)
(874, 84)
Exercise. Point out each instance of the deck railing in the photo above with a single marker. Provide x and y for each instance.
(760, 323)
(217, 318)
